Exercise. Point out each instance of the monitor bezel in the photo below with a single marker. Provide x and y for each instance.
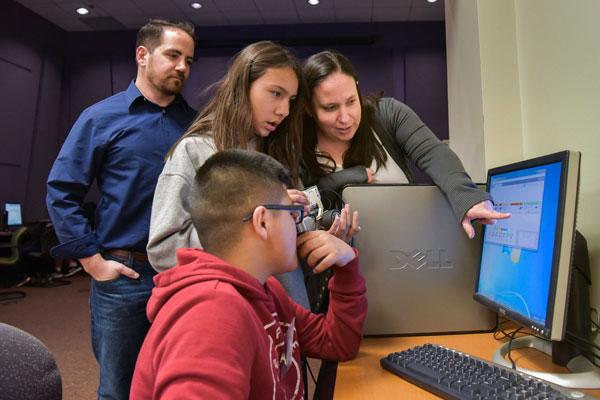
(555, 323)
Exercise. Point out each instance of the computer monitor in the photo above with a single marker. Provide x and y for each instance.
(526, 260)
(13, 211)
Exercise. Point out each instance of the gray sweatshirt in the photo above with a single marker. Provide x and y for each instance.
(171, 224)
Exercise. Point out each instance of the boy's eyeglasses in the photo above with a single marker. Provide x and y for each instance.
(296, 210)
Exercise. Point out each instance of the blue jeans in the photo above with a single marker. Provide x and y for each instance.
(119, 326)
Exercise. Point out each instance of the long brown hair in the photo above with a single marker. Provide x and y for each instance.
(364, 147)
(228, 116)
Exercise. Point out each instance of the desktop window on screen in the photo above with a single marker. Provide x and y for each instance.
(13, 211)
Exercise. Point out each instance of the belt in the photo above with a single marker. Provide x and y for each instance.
(124, 254)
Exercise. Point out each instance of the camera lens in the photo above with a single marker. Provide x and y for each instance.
(328, 217)
(307, 224)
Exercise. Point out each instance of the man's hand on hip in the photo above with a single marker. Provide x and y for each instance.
(105, 270)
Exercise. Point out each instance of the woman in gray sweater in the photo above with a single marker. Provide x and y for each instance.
(350, 138)
(258, 105)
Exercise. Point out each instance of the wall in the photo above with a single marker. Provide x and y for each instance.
(53, 75)
(31, 62)
(465, 108)
(536, 91)
(559, 62)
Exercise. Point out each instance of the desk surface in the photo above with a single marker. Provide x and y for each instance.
(363, 377)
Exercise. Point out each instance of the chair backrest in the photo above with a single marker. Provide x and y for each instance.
(28, 369)
(15, 248)
(48, 240)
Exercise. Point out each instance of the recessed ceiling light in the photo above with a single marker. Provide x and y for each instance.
(82, 11)
(431, 1)
(313, 2)
(196, 5)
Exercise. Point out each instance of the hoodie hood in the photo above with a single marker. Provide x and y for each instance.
(196, 266)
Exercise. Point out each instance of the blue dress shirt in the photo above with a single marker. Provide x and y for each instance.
(121, 143)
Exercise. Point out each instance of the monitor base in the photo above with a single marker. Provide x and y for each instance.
(584, 374)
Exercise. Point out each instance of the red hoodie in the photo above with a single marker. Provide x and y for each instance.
(217, 333)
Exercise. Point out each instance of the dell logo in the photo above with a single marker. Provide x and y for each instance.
(416, 259)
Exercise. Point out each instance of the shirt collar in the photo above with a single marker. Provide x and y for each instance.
(133, 94)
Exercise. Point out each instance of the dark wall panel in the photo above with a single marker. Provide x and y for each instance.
(17, 113)
(427, 88)
(205, 71)
(123, 70)
(44, 147)
(90, 80)
(18, 126)
(426, 92)
(30, 76)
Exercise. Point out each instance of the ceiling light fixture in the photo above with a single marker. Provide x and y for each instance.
(196, 5)
(82, 11)
(313, 2)
(432, 1)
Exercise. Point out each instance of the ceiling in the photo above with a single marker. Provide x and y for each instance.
(133, 14)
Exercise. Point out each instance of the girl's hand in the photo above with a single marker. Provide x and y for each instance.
(346, 225)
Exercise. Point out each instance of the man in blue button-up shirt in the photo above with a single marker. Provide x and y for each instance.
(121, 142)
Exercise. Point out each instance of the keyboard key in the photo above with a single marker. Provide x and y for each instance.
(421, 369)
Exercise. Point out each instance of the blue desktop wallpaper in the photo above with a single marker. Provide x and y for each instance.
(517, 277)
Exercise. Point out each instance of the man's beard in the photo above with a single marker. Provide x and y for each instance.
(168, 86)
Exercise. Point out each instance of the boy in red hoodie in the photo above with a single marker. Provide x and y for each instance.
(222, 327)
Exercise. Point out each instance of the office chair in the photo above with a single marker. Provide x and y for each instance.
(42, 263)
(27, 368)
(11, 260)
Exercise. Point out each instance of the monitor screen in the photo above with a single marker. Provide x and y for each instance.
(525, 261)
(13, 211)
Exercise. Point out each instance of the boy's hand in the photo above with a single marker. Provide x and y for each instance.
(299, 197)
(322, 250)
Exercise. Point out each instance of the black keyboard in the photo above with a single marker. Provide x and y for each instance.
(452, 374)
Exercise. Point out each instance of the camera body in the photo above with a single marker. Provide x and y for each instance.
(317, 217)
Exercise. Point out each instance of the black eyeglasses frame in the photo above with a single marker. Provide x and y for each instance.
(290, 207)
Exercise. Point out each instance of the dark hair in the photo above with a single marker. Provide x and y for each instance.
(228, 186)
(150, 34)
(228, 116)
(364, 147)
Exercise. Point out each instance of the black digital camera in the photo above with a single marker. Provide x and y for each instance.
(317, 217)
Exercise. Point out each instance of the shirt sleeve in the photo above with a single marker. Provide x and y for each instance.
(428, 153)
(70, 178)
(337, 180)
(337, 335)
(171, 226)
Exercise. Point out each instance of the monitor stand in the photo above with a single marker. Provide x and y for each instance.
(584, 374)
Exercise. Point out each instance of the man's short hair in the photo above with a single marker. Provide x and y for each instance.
(150, 34)
(229, 186)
